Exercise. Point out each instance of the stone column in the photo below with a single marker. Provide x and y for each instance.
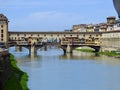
(69, 49)
(18, 48)
(32, 51)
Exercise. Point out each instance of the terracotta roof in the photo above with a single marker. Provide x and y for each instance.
(2, 17)
(111, 17)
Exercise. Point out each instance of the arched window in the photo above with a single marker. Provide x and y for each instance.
(2, 35)
(2, 31)
(2, 26)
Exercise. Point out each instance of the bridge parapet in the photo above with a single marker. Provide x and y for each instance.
(93, 43)
(81, 41)
(24, 43)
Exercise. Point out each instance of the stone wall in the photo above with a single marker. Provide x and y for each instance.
(111, 41)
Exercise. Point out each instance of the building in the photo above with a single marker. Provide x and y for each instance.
(117, 25)
(111, 20)
(96, 28)
(103, 27)
(79, 28)
(110, 25)
(90, 28)
(3, 29)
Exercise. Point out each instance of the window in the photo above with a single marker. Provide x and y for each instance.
(96, 35)
(2, 35)
(2, 31)
(1, 26)
(111, 28)
(2, 39)
(118, 25)
(96, 30)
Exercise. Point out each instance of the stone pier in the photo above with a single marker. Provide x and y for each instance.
(18, 48)
(69, 49)
(32, 50)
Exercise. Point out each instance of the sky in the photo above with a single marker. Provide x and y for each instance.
(54, 15)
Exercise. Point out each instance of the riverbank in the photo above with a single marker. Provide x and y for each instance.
(12, 78)
(107, 53)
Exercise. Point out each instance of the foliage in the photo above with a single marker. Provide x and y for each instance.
(17, 79)
(107, 53)
(85, 50)
(112, 53)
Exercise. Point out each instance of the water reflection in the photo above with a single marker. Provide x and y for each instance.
(52, 70)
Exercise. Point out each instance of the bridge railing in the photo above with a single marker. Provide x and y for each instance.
(12, 43)
(28, 43)
(39, 43)
(22, 42)
(80, 43)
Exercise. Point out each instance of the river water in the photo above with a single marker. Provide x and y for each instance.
(52, 70)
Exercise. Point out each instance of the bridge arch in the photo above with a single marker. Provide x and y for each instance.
(70, 48)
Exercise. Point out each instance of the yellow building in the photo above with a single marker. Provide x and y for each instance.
(90, 28)
(79, 28)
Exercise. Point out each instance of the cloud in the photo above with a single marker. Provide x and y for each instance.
(51, 20)
(53, 14)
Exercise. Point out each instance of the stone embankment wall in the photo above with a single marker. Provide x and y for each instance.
(110, 41)
(5, 69)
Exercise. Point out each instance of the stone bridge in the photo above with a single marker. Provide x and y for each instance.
(67, 41)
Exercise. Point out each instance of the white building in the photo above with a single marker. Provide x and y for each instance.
(117, 25)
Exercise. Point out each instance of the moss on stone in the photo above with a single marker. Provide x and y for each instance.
(107, 53)
(85, 50)
(112, 54)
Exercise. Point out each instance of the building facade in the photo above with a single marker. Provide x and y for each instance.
(111, 24)
(3, 29)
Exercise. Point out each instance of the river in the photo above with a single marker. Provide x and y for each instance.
(52, 70)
